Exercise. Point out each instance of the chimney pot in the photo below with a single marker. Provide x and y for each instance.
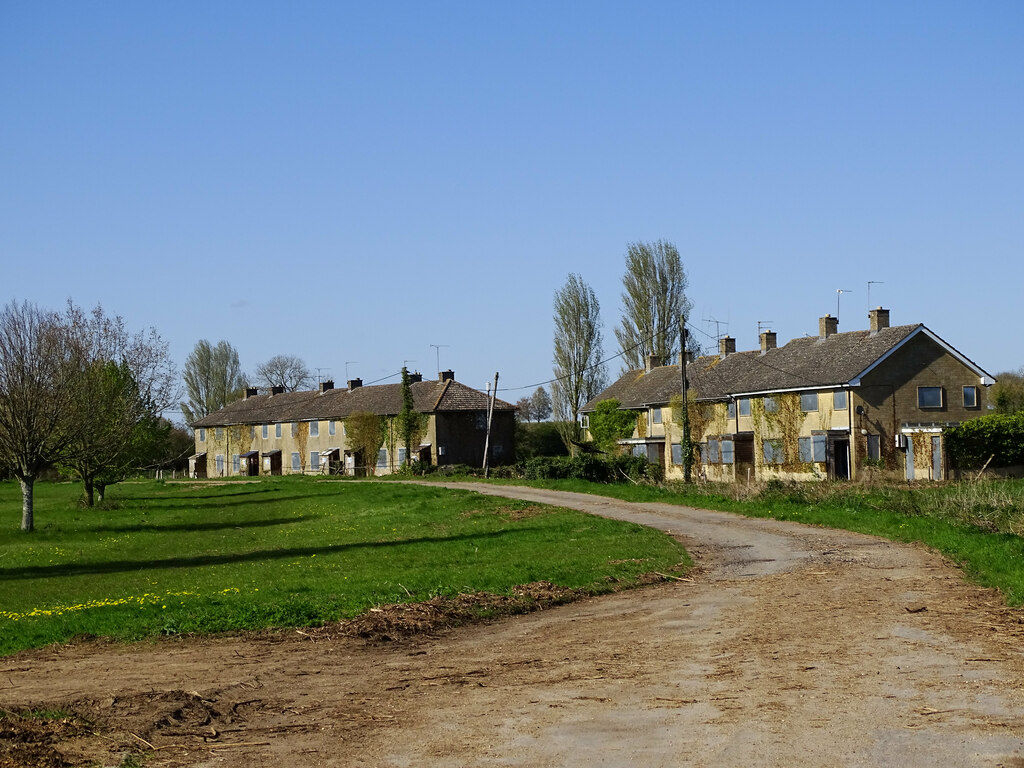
(828, 326)
(769, 340)
(879, 319)
(726, 345)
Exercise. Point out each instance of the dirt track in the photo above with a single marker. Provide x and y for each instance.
(792, 646)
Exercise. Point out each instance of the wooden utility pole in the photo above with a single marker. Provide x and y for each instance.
(490, 414)
(686, 447)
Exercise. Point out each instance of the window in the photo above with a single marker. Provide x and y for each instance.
(236, 463)
(220, 463)
(401, 456)
(295, 429)
(874, 447)
(731, 409)
(727, 452)
(677, 453)
(773, 452)
(330, 427)
(929, 397)
(314, 429)
(970, 397)
(252, 432)
(770, 404)
(585, 421)
(314, 460)
(640, 450)
(809, 402)
(296, 461)
(812, 448)
(382, 459)
(277, 430)
(712, 450)
(496, 450)
(656, 415)
(220, 433)
(744, 406)
(839, 400)
(202, 435)
(266, 431)
(481, 420)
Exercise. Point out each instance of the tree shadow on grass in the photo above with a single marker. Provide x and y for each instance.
(219, 525)
(200, 561)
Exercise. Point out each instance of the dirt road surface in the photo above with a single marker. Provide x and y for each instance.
(791, 646)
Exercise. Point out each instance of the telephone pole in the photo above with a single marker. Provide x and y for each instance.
(686, 448)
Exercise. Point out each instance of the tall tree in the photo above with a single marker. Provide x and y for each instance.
(410, 422)
(37, 368)
(653, 302)
(287, 371)
(213, 378)
(541, 404)
(579, 372)
(123, 382)
(524, 409)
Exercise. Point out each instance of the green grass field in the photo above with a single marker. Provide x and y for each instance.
(178, 558)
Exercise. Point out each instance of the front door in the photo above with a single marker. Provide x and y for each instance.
(743, 454)
(910, 458)
(838, 456)
(936, 457)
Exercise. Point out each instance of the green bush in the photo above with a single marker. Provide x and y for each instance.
(1000, 436)
(592, 468)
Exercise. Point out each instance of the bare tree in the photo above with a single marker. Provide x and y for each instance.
(524, 409)
(37, 368)
(124, 381)
(287, 371)
(213, 378)
(653, 302)
(579, 372)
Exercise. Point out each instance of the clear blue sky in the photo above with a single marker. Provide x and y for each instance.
(358, 181)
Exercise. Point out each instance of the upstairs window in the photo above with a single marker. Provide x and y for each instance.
(266, 431)
(731, 409)
(970, 397)
(330, 427)
(656, 415)
(929, 397)
(220, 433)
(809, 402)
(771, 405)
(202, 435)
(744, 404)
(839, 400)
(277, 430)
(314, 429)
(295, 429)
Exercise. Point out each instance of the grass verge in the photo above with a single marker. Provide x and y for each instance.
(167, 559)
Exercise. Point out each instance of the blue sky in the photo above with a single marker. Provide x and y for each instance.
(354, 182)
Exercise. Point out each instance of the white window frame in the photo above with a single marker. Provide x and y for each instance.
(840, 393)
(296, 461)
(330, 428)
(277, 430)
(974, 399)
(202, 434)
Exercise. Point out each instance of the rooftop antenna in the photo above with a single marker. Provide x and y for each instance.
(839, 294)
(764, 325)
(347, 364)
(319, 379)
(407, 361)
(718, 326)
(437, 348)
(870, 283)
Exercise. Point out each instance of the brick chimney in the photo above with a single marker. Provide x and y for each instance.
(828, 326)
(326, 386)
(726, 345)
(768, 341)
(415, 378)
(276, 390)
(653, 361)
(251, 392)
(355, 383)
(448, 375)
(878, 319)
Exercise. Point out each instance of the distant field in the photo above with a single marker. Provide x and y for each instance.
(205, 557)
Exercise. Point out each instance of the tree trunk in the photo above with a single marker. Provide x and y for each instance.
(89, 492)
(101, 489)
(27, 516)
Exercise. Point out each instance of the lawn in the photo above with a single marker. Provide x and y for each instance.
(164, 559)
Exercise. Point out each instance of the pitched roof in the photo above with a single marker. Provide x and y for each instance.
(805, 363)
(338, 404)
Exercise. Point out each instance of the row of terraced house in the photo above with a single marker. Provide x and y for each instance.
(832, 405)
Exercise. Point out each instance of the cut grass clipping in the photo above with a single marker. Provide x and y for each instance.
(167, 559)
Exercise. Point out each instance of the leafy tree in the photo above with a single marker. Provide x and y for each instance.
(37, 370)
(609, 424)
(287, 371)
(541, 405)
(654, 301)
(122, 384)
(213, 378)
(579, 371)
(410, 423)
(366, 433)
(1007, 394)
